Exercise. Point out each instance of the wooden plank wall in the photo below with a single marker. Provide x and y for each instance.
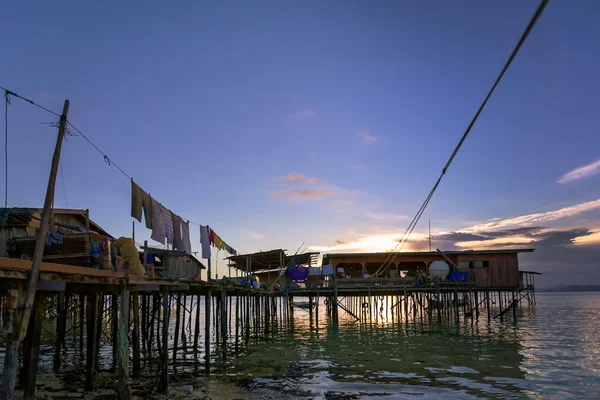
(503, 270)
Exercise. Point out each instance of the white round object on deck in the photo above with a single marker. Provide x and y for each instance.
(438, 270)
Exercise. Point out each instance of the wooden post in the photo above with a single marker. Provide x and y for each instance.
(223, 317)
(196, 334)
(487, 301)
(164, 375)
(81, 321)
(136, 336)
(477, 304)
(61, 328)
(92, 320)
(176, 336)
(114, 326)
(123, 388)
(207, 301)
(32, 355)
(23, 313)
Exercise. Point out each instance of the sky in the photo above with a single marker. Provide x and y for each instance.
(325, 123)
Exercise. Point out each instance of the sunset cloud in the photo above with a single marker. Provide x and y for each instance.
(366, 136)
(581, 172)
(534, 219)
(592, 239)
(295, 177)
(304, 194)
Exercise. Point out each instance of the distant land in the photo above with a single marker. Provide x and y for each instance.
(571, 288)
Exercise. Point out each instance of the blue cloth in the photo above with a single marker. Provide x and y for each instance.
(297, 273)
(150, 258)
(95, 250)
(54, 238)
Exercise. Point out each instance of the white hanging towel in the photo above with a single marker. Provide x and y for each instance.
(204, 240)
(341, 270)
(158, 223)
(328, 269)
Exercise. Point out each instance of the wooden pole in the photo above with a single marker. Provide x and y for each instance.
(61, 328)
(123, 388)
(196, 334)
(92, 320)
(32, 356)
(114, 326)
(81, 321)
(21, 317)
(176, 336)
(136, 336)
(164, 375)
(207, 305)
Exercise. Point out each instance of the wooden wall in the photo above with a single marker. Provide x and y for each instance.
(503, 270)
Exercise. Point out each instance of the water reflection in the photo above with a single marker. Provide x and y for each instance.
(553, 352)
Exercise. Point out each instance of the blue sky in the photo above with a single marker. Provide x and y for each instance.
(210, 106)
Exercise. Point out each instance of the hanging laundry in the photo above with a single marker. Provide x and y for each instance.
(185, 236)
(136, 201)
(328, 269)
(204, 241)
(315, 271)
(177, 238)
(297, 273)
(169, 234)
(211, 237)
(140, 200)
(158, 223)
(218, 242)
(340, 270)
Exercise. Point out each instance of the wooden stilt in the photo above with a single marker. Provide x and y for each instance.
(136, 336)
(92, 321)
(196, 334)
(81, 321)
(123, 389)
(163, 386)
(207, 305)
(114, 325)
(32, 355)
(176, 335)
(61, 328)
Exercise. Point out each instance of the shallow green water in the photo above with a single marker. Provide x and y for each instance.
(553, 352)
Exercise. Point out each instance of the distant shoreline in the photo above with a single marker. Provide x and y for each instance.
(571, 289)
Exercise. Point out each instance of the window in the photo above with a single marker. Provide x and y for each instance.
(486, 264)
(477, 264)
(464, 265)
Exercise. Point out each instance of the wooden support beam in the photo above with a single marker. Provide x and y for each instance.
(196, 334)
(32, 353)
(176, 335)
(123, 389)
(92, 320)
(163, 386)
(207, 301)
(61, 328)
(135, 336)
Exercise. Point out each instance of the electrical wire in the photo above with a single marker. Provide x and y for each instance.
(10, 92)
(514, 53)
